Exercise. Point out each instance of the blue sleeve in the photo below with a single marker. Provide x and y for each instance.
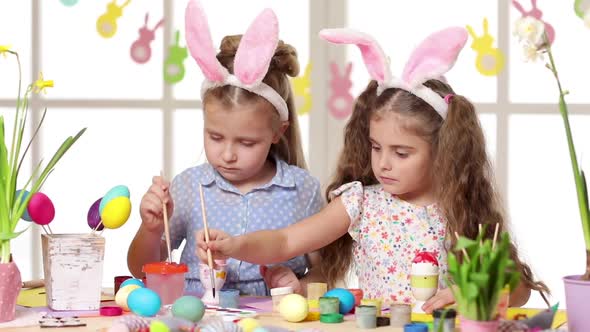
(177, 222)
(316, 203)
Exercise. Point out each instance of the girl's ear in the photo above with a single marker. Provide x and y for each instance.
(280, 132)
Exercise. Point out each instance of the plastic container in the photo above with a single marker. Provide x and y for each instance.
(401, 314)
(329, 305)
(166, 279)
(374, 302)
(444, 318)
(229, 298)
(315, 290)
(366, 316)
(278, 294)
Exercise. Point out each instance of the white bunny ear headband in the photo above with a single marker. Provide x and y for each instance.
(252, 59)
(435, 56)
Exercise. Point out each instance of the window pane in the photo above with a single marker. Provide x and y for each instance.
(542, 196)
(187, 138)
(408, 22)
(489, 124)
(224, 20)
(532, 82)
(85, 65)
(114, 150)
(15, 29)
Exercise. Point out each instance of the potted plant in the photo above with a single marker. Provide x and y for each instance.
(479, 278)
(13, 205)
(531, 34)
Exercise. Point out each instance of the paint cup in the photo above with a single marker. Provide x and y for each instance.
(315, 290)
(366, 316)
(118, 281)
(374, 302)
(400, 314)
(329, 305)
(358, 296)
(278, 294)
(446, 318)
(229, 298)
(205, 276)
(166, 279)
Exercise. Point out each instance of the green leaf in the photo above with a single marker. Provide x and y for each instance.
(470, 291)
(465, 243)
(453, 266)
(12, 235)
(480, 279)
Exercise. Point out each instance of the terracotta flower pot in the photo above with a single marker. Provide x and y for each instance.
(10, 286)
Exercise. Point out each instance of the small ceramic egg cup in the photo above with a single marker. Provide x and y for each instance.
(205, 276)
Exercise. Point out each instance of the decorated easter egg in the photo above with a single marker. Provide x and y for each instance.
(293, 308)
(132, 281)
(25, 215)
(118, 191)
(123, 294)
(116, 212)
(93, 217)
(248, 324)
(346, 299)
(41, 209)
(188, 307)
(425, 263)
(144, 302)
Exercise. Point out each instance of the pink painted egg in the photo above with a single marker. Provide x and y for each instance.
(41, 209)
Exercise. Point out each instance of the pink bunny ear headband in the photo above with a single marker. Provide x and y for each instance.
(252, 59)
(435, 56)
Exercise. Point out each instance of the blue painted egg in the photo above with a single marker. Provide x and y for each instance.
(118, 191)
(144, 302)
(25, 215)
(346, 299)
(132, 281)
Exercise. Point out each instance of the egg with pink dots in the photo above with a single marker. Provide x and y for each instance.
(111, 211)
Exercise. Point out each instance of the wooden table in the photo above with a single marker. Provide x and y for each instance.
(102, 324)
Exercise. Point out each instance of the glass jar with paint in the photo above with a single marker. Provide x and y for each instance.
(166, 279)
(444, 318)
(329, 305)
(366, 316)
(400, 314)
(278, 294)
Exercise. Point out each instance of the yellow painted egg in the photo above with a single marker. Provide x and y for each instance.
(123, 293)
(293, 308)
(248, 324)
(116, 212)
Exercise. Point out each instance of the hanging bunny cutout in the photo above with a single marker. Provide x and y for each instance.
(435, 56)
(252, 59)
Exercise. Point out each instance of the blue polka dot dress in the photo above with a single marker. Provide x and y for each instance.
(291, 195)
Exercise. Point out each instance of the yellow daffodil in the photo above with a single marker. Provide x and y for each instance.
(41, 84)
(4, 49)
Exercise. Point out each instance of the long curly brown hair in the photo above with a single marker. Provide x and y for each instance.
(462, 172)
(284, 63)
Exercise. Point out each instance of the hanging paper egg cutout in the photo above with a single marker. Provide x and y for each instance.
(106, 24)
(141, 50)
(174, 66)
(302, 91)
(341, 100)
(489, 60)
(68, 3)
